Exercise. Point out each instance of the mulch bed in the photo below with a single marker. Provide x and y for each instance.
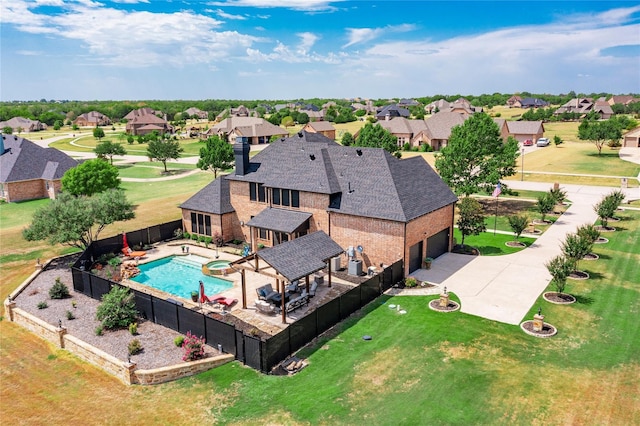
(558, 298)
(541, 222)
(460, 249)
(579, 275)
(605, 228)
(547, 329)
(602, 240)
(451, 307)
(591, 256)
(515, 244)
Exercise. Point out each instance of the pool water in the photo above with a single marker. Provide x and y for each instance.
(179, 276)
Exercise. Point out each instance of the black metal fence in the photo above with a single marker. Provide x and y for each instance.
(262, 355)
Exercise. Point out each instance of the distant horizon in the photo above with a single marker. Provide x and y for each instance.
(132, 50)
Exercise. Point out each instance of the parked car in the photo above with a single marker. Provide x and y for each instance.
(543, 142)
(528, 142)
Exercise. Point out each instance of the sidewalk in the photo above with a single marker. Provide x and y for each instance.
(504, 288)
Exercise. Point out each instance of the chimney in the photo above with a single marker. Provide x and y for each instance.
(241, 152)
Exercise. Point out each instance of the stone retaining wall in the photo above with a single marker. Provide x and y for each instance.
(125, 371)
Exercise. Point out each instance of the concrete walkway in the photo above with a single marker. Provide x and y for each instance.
(504, 288)
(630, 154)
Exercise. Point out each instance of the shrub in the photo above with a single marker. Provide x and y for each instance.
(410, 282)
(194, 237)
(70, 315)
(186, 235)
(118, 308)
(193, 347)
(99, 330)
(557, 140)
(133, 328)
(74, 304)
(201, 239)
(177, 233)
(518, 223)
(42, 305)
(115, 262)
(207, 241)
(134, 347)
(178, 341)
(217, 239)
(59, 290)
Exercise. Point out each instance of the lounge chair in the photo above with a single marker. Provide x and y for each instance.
(265, 307)
(266, 292)
(226, 302)
(133, 254)
(292, 287)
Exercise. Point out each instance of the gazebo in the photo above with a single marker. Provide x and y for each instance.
(290, 261)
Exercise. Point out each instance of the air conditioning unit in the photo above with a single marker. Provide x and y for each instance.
(335, 263)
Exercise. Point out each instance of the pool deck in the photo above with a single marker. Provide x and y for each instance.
(271, 324)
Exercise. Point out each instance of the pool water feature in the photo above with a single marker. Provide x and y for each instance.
(217, 267)
(179, 276)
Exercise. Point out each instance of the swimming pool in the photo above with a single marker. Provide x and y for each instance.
(179, 276)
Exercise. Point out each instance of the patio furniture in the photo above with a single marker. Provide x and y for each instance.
(313, 288)
(266, 292)
(297, 302)
(265, 307)
(292, 287)
(225, 302)
(277, 298)
(133, 254)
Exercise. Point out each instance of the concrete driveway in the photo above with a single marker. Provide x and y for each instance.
(504, 288)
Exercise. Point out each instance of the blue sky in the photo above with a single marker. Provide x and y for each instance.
(251, 49)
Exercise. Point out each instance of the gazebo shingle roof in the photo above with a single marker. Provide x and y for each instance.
(301, 257)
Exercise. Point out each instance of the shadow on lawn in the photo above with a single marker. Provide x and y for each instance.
(583, 300)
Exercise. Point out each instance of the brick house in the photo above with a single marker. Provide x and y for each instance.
(21, 124)
(29, 171)
(433, 131)
(256, 130)
(392, 208)
(323, 127)
(523, 130)
(92, 119)
(147, 123)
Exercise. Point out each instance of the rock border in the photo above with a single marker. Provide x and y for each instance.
(526, 324)
(434, 305)
(555, 302)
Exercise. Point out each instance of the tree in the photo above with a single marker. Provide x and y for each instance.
(216, 155)
(98, 133)
(78, 221)
(90, 177)
(557, 140)
(476, 157)
(598, 132)
(558, 195)
(377, 136)
(164, 150)
(560, 269)
(518, 223)
(347, 139)
(118, 308)
(589, 235)
(575, 248)
(57, 125)
(109, 149)
(287, 121)
(545, 205)
(471, 218)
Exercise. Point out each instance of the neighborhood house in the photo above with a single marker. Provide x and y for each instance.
(387, 208)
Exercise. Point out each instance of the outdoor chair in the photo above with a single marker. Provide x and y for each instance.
(313, 288)
(297, 302)
(292, 287)
(225, 303)
(133, 254)
(266, 292)
(265, 307)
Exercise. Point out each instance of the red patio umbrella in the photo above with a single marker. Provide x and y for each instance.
(124, 241)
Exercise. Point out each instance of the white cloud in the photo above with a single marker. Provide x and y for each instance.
(305, 5)
(29, 52)
(363, 35)
(307, 41)
(224, 15)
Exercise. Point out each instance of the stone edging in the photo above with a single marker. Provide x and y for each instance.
(544, 296)
(434, 306)
(542, 336)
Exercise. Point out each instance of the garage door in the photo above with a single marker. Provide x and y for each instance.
(415, 257)
(438, 244)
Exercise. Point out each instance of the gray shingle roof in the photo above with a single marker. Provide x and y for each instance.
(279, 220)
(366, 182)
(301, 257)
(525, 127)
(28, 161)
(213, 198)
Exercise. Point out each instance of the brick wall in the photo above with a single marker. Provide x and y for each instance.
(25, 190)
(426, 226)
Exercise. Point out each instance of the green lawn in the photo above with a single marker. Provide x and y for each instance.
(151, 170)
(490, 244)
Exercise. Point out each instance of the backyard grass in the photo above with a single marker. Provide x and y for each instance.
(420, 368)
(152, 170)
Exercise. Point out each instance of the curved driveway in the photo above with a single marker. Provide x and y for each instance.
(504, 288)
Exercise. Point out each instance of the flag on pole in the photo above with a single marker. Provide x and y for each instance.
(497, 191)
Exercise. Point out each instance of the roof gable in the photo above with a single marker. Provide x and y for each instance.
(24, 160)
(213, 198)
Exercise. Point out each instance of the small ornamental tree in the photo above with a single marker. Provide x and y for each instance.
(471, 218)
(193, 347)
(545, 205)
(58, 290)
(118, 308)
(164, 150)
(558, 195)
(90, 177)
(560, 269)
(216, 155)
(518, 223)
(98, 133)
(589, 234)
(605, 209)
(575, 248)
(557, 140)
(108, 149)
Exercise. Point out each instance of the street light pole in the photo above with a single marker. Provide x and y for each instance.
(522, 161)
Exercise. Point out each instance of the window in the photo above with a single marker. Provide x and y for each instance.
(285, 197)
(263, 234)
(295, 198)
(262, 195)
(275, 196)
(194, 223)
(253, 191)
(207, 225)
